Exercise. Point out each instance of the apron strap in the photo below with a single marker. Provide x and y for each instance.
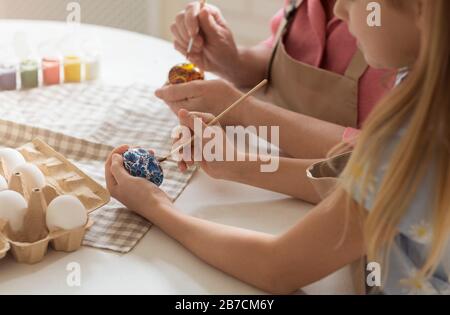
(289, 14)
(357, 66)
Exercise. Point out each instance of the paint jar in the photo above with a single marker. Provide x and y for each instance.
(29, 75)
(72, 69)
(92, 64)
(8, 77)
(51, 70)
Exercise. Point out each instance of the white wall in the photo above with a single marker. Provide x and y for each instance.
(131, 15)
(249, 19)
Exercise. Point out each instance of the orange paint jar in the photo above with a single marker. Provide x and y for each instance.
(51, 70)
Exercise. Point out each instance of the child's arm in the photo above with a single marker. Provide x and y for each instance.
(279, 174)
(315, 247)
(289, 179)
(280, 264)
(301, 136)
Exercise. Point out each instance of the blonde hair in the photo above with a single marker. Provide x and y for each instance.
(420, 107)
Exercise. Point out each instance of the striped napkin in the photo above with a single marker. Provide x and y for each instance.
(84, 122)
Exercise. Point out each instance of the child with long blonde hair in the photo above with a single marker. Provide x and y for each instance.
(400, 171)
(391, 207)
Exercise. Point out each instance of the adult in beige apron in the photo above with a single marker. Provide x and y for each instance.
(315, 92)
(309, 90)
(321, 94)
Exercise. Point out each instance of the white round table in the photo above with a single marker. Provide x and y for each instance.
(158, 265)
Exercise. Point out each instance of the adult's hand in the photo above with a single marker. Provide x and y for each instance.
(214, 47)
(212, 97)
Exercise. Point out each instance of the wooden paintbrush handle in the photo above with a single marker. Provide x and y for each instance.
(217, 119)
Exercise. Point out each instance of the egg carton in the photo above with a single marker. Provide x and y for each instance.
(62, 178)
(4, 247)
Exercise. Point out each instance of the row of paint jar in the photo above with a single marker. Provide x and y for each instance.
(49, 71)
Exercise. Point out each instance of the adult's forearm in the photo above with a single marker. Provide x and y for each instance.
(301, 136)
(251, 68)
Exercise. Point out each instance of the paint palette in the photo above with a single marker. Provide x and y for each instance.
(29, 245)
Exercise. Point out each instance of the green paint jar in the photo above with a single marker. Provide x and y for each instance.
(29, 74)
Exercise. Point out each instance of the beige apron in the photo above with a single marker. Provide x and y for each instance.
(321, 94)
(309, 90)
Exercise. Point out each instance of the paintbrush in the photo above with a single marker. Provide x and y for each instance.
(217, 119)
(191, 41)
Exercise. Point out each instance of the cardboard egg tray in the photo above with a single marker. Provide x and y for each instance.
(62, 178)
(4, 247)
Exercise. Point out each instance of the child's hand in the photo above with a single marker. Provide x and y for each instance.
(216, 168)
(137, 194)
(204, 96)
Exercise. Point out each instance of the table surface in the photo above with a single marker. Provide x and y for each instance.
(158, 265)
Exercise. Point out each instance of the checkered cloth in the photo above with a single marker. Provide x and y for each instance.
(84, 122)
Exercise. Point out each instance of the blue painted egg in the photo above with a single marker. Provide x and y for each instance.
(140, 163)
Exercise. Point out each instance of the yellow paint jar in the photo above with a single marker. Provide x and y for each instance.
(72, 69)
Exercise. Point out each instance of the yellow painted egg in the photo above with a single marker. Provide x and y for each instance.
(185, 72)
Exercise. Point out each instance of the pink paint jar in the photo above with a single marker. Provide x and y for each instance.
(51, 71)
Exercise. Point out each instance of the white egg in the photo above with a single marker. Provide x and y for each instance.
(32, 176)
(10, 160)
(13, 208)
(3, 183)
(66, 213)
